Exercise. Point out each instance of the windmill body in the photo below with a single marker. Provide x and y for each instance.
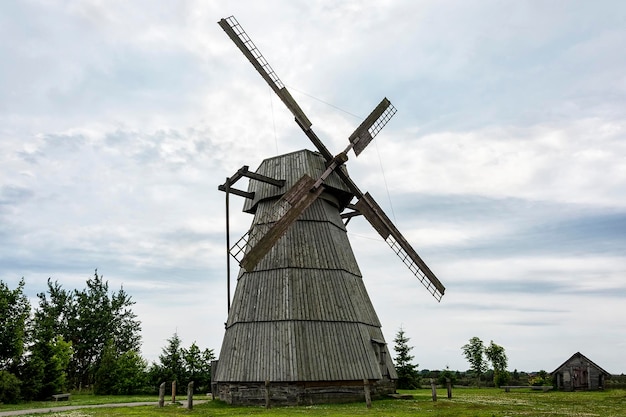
(302, 319)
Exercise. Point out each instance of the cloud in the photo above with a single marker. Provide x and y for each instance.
(575, 163)
(503, 166)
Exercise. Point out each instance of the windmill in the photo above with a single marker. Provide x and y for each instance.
(301, 325)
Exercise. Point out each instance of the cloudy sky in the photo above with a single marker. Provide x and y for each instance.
(504, 165)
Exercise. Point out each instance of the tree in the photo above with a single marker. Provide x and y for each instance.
(182, 365)
(53, 312)
(94, 320)
(515, 377)
(496, 355)
(125, 328)
(408, 377)
(9, 388)
(131, 373)
(172, 366)
(90, 319)
(474, 353)
(198, 366)
(120, 375)
(14, 314)
(446, 375)
(105, 376)
(44, 371)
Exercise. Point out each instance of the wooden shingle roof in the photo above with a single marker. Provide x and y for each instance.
(290, 167)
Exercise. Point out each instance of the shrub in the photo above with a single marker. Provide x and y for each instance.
(9, 388)
(445, 375)
(501, 378)
(542, 378)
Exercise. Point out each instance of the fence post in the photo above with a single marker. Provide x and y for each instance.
(174, 392)
(162, 394)
(190, 395)
(433, 386)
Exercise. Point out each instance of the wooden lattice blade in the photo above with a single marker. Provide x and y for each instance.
(294, 202)
(385, 227)
(372, 124)
(236, 33)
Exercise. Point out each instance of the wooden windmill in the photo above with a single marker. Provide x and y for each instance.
(301, 319)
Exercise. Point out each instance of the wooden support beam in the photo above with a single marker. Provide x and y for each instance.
(243, 172)
(235, 191)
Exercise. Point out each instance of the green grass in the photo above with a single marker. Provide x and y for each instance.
(484, 402)
(80, 399)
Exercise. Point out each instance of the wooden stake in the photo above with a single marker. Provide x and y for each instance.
(162, 394)
(433, 386)
(190, 395)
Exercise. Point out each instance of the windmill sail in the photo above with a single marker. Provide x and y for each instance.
(388, 231)
(307, 190)
(372, 124)
(289, 208)
(236, 33)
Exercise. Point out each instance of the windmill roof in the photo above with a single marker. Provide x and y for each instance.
(291, 167)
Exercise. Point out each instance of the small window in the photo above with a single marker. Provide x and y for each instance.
(380, 349)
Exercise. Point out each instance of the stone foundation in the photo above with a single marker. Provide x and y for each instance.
(301, 393)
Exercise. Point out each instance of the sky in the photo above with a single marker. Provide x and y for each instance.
(504, 165)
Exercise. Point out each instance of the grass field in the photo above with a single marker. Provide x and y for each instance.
(484, 402)
(80, 399)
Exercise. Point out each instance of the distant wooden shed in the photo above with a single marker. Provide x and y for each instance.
(579, 373)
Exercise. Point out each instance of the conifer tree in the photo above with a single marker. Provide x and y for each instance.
(408, 377)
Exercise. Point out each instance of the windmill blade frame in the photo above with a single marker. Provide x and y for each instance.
(372, 124)
(293, 203)
(368, 207)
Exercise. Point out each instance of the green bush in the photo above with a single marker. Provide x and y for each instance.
(542, 378)
(445, 375)
(120, 374)
(501, 378)
(9, 388)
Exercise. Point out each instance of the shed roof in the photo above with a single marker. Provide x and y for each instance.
(579, 356)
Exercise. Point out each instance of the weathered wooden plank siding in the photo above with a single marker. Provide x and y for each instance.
(324, 351)
(298, 295)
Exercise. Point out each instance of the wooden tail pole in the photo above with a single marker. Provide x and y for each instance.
(368, 396)
(267, 394)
